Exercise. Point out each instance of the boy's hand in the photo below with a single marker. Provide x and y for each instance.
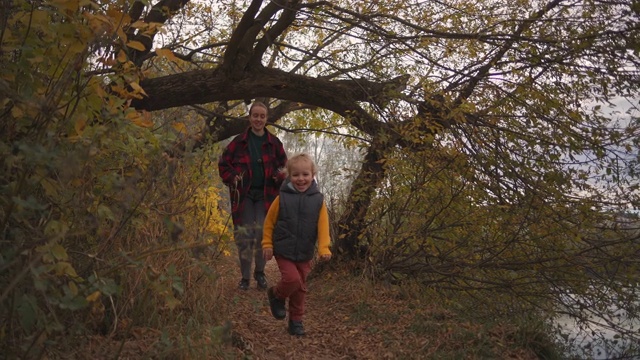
(326, 257)
(267, 254)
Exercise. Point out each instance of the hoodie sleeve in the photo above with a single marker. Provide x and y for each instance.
(270, 223)
(324, 238)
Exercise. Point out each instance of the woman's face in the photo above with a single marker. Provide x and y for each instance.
(301, 175)
(258, 119)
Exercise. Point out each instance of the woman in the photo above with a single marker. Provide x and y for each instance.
(250, 165)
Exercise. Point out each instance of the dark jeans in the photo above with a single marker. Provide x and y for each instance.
(248, 236)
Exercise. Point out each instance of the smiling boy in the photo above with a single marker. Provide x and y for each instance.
(297, 221)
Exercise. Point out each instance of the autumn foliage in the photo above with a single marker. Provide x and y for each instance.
(492, 163)
(101, 225)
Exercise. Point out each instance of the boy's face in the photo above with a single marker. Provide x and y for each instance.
(301, 175)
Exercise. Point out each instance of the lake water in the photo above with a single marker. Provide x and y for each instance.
(597, 340)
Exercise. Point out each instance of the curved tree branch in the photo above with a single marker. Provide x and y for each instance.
(205, 86)
(286, 19)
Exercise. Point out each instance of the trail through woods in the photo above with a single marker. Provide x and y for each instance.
(345, 318)
(330, 333)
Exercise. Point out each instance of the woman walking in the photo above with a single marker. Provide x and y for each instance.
(251, 167)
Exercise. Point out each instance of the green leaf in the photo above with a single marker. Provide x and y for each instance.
(74, 303)
(59, 252)
(55, 228)
(107, 286)
(104, 212)
(171, 302)
(50, 187)
(27, 312)
(178, 286)
(65, 268)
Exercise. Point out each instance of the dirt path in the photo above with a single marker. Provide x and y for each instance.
(330, 334)
(339, 321)
(345, 318)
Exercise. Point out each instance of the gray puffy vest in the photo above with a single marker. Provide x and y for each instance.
(296, 231)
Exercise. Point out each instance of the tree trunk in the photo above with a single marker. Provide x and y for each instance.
(352, 223)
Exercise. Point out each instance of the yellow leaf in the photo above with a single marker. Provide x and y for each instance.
(136, 45)
(81, 124)
(36, 59)
(180, 127)
(137, 87)
(16, 112)
(109, 61)
(93, 296)
(122, 56)
(139, 119)
(99, 24)
(40, 17)
(50, 187)
(138, 24)
(69, 5)
(99, 90)
(73, 288)
(168, 54)
(121, 34)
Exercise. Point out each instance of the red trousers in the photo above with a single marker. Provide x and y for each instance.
(293, 285)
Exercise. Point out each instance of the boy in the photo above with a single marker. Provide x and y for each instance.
(296, 221)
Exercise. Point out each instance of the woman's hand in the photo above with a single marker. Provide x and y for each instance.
(267, 254)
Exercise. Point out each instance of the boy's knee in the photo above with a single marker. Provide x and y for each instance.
(292, 282)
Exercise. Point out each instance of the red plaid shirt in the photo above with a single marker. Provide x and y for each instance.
(236, 160)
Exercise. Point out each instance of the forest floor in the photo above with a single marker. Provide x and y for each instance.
(349, 318)
(346, 318)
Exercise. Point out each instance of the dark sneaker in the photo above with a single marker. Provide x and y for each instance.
(296, 328)
(243, 284)
(277, 305)
(261, 280)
